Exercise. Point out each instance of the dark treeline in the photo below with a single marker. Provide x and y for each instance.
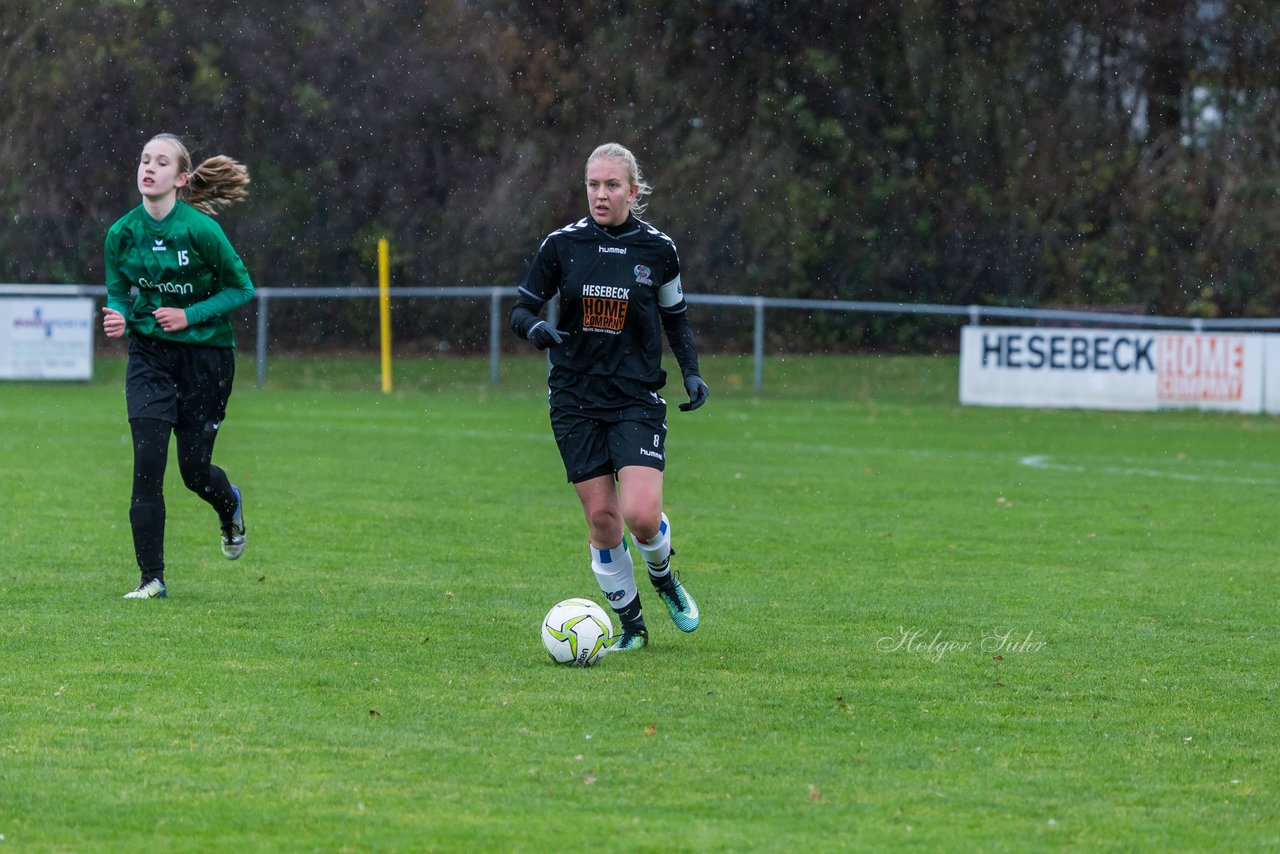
(1000, 152)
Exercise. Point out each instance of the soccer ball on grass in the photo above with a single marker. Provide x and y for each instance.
(577, 632)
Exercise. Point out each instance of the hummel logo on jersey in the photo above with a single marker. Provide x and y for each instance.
(613, 250)
(159, 247)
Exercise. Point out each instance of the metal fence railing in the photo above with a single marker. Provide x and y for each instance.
(758, 305)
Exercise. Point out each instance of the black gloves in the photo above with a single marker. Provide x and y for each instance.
(698, 393)
(544, 335)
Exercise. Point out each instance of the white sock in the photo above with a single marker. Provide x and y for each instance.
(657, 552)
(615, 574)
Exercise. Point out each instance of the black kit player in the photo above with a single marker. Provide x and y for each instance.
(181, 345)
(618, 279)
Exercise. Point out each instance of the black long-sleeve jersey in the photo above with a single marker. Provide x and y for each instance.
(619, 290)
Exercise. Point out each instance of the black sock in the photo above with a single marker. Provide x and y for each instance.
(660, 574)
(220, 495)
(630, 616)
(146, 517)
(666, 581)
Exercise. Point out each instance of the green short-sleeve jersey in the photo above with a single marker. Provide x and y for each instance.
(182, 261)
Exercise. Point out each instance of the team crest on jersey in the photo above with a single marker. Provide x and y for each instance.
(642, 275)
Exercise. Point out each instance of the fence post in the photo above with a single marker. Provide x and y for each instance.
(495, 330)
(758, 345)
(262, 339)
(384, 310)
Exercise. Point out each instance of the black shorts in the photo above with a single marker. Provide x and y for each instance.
(179, 384)
(594, 443)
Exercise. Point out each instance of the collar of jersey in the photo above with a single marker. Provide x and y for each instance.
(628, 226)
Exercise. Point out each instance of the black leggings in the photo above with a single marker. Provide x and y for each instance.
(199, 474)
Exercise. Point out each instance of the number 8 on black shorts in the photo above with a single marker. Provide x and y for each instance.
(597, 443)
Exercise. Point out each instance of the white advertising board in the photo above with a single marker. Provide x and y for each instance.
(1111, 368)
(46, 338)
(1271, 381)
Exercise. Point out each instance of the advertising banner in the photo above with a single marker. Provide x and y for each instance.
(46, 338)
(1271, 382)
(1112, 368)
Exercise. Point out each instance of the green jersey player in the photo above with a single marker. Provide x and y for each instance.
(181, 357)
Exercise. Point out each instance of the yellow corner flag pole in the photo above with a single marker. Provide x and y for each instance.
(384, 310)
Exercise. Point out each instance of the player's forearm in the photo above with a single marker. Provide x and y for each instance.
(680, 337)
(118, 297)
(223, 302)
(119, 300)
(525, 315)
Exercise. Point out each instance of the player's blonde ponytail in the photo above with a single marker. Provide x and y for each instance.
(216, 183)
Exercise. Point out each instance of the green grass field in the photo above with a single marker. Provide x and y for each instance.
(924, 626)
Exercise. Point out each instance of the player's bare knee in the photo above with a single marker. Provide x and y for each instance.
(645, 526)
(605, 527)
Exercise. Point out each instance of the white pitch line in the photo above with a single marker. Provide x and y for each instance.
(1044, 461)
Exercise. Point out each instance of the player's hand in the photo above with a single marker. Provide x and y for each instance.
(698, 393)
(171, 319)
(544, 335)
(112, 322)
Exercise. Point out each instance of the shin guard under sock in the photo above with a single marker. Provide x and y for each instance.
(616, 576)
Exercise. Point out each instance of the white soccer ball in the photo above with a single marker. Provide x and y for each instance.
(577, 632)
